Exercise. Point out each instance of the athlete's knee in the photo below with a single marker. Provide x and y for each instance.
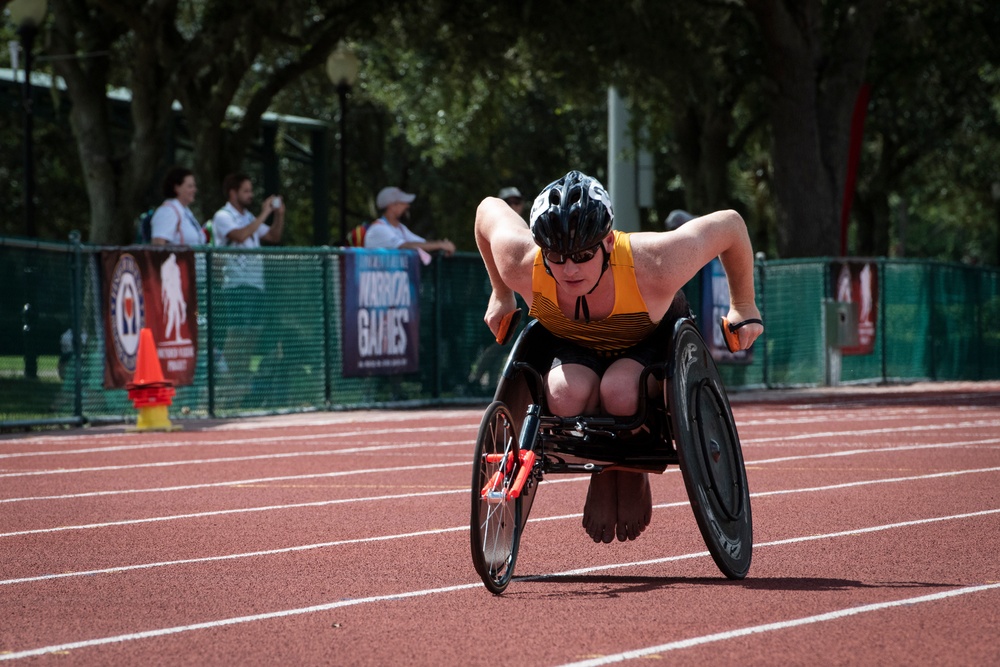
(620, 388)
(618, 399)
(572, 393)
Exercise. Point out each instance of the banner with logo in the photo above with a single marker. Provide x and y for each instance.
(715, 305)
(381, 323)
(857, 282)
(155, 289)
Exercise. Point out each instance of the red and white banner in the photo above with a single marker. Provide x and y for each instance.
(857, 283)
(154, 289)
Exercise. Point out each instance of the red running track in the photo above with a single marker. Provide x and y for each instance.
(342, 539)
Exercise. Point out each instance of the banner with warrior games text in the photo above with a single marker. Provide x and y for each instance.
(381, 323)
(155, 289)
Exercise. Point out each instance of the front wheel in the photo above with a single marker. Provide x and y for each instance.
(495, 526)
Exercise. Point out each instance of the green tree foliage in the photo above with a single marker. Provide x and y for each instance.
(453, 111)
(815, 54)
(469, 116)
(744, 104)
(933, 134)
(208, 56)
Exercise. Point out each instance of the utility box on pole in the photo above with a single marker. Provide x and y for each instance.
(841, 330)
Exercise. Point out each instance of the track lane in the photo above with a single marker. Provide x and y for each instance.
(632, 585)
(841, 475)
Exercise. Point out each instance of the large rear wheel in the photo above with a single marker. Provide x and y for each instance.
(495, 527)
(711, 458)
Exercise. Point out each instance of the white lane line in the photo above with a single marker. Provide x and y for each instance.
(351, 417)
(355, 419)
(276, 439)
(242, 510)
(432, 466)
(340, 501)
(383, 538)
(872, 431)
(392, 447)
(285, 613)
(256, 457)
(779, 625)
(773, 543)
(249, 554)
(847, 417)
(875, 450)
(893, 480)
(370, 432)
(208, 625)
(366, 433)
(239, 482)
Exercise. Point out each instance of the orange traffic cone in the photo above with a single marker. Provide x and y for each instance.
(149, 392)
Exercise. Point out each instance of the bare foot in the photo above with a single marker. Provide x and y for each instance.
(600, 512)
(635, 504)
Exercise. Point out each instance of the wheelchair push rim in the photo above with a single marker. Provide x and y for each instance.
(495, 524)
(711, 459)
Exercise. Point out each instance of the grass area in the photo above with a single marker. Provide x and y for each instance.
(23, 399)
(48, 368)
(27, 399)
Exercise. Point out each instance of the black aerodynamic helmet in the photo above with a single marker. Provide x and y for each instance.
(571, 214)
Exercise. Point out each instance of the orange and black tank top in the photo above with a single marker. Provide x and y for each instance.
(629, 321)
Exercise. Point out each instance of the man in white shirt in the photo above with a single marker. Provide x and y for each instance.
(388, 231)
(243, 316)
(235, 226)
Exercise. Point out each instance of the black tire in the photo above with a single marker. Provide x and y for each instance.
(495, 525)
(711, 458)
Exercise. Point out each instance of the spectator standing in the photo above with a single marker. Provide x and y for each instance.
(389, 231)
(234, 225)
(173, 222)
(242, 296)
(513, 197)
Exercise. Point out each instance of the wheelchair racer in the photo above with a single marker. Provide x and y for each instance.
(602, 293)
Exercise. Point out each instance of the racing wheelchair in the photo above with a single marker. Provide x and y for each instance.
(688, 424)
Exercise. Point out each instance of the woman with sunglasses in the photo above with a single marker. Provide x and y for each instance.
(603, 293)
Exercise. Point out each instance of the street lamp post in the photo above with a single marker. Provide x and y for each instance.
(342, 68)
(27, 16)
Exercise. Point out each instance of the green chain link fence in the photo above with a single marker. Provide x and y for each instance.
(935, 322)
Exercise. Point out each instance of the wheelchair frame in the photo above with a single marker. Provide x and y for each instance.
(690, 425)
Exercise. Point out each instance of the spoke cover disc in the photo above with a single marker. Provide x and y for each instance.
(710, 455)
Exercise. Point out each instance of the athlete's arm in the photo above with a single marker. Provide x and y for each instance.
(665, 261)
(508, 250)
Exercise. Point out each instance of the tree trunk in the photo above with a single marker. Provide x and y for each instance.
(86, 81)
(811, 107)
(152, 122)
(118, 176)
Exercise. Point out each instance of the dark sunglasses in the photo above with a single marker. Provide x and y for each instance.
(553, 257)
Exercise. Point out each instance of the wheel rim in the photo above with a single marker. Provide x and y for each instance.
(495, 519)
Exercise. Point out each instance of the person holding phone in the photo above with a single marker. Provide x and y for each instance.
(235, 226)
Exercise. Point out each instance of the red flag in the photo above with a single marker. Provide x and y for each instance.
(853, 157)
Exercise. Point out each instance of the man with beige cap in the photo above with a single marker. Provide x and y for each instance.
(513, 197)
(388, 231)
